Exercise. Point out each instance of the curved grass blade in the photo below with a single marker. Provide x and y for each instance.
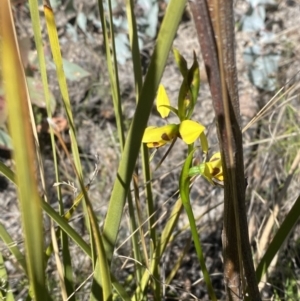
(278, 240)
(64, 225)
(184, 188)
(7, 172)
(178, 262)
(5, 290)
(13, 248)
(120, 289)
(17, 98)
(67, 217)
(55, 49)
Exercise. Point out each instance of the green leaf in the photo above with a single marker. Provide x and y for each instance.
(181, 62)
(183, 100)
(194, 84)
(74, 72)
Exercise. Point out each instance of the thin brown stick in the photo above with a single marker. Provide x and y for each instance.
(215, 26)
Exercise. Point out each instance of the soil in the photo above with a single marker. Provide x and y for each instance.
(267, 163)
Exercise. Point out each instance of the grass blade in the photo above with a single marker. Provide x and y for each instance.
(144, 106)
(13, 248)
(5, 290)
(7, 172)
(278, 240)
(16, 95)
(63, 224)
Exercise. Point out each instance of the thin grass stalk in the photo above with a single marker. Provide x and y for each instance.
(137, 71)
(133, 142)
(161, 246)
(176, 266)
(135, 241)
(56, 53)
(55, 49)
(111, 59)
(114, 78)
(33, 7)
(6, 171)
(140, 221)
(59, 266)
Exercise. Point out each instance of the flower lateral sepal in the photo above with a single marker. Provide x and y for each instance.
(159, 136)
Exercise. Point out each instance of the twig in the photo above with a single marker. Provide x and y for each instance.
(215, 27)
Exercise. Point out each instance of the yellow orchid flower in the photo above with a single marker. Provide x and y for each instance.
(209, 170)
(215, 167)
(159, 136)
(187, 130)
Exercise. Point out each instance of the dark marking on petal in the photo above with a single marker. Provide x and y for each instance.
(216, 170)
(165, 137)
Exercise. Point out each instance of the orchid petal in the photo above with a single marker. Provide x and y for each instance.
(190, 130)
(162, 102)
